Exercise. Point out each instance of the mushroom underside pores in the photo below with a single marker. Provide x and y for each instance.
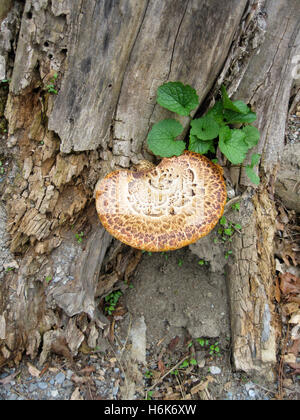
(165, 207)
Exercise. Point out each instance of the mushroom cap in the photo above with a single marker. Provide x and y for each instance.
(164, 208)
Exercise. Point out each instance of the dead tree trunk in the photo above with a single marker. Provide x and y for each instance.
(60, 135)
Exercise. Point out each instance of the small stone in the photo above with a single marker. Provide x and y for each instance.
(54, 393)
(67, 384)
(32, 387)
(60, 377)
(12, 397)
(200, 357)
(115, 390)
(215, 370)
(42, 385)
(251, 393)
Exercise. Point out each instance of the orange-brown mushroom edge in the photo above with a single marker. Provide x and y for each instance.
(163, 208)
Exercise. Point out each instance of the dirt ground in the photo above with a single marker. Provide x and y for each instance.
(173, 343)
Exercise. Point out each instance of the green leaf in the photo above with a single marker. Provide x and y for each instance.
(201, 341)
(177, 97)
(252, 135)
(161, 139)
(223, 221)
(232, 144)
(200, 146)
(255, 158)
(193, 361)
(184, 364)
(252, 175)
(205, 128)
(217, 113)
(237, 106)
(235, 117)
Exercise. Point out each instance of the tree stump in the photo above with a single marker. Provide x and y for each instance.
(81, 101)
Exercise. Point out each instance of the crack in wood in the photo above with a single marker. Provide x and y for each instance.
(126, 67)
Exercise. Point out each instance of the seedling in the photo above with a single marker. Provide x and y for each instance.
(2, 170)
(216, 128)
(149, 395)
(203, 342)
(254, 178)
(51, 87)
(227, 254)
(184, 364)
(148, 374)
(79, 237)
(48, 279)
(111, 301)
(227, 229)
(214, 349)
(236, 206)
(148, 252)
(180, 262)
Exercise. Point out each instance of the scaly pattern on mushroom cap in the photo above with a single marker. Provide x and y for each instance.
(164, 208)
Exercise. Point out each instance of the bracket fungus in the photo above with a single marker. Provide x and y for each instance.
(165, 207)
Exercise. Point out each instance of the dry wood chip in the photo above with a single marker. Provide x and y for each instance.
(295, 333)
(33, 370)
(289, 283)
(202, 385)
(161, 366)
(53, 369)
(295, 347)
(295, 318)
(173, 396)
(87, 370)
(79, 379)
(76, 395)
(289, 358)
(290, 308)
(173, 343)
(9, 378)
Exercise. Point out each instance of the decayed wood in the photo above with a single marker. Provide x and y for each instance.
(266, 85)
(250, 277)
(268, 81)
(110, 57)
(118, 56)
(101, 52)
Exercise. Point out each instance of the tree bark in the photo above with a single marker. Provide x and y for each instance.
(110, 56)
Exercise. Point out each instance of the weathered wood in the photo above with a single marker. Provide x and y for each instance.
(110, 57)
(268, 81)
(266, 85)
(114, 70)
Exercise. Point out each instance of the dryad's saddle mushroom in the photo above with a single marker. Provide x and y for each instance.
(165, 207)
